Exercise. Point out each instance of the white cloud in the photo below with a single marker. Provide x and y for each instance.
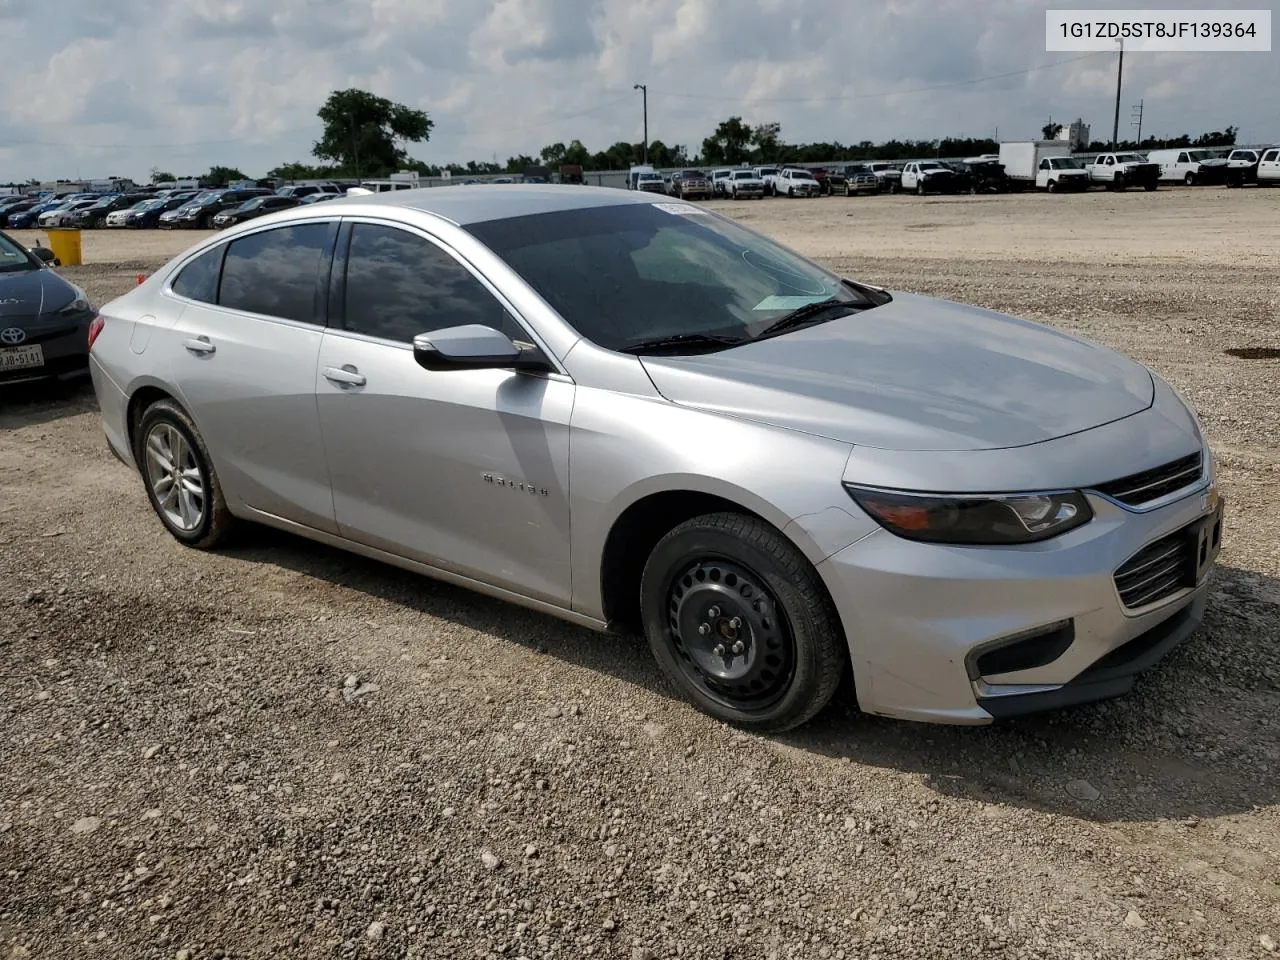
(136, 84)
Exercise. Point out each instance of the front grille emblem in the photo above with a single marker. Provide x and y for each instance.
(12, 335)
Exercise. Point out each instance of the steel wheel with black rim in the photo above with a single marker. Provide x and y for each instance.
(179, 477)
(739, 620)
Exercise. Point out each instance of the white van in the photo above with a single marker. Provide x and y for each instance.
(1189, 165)
(633, 175)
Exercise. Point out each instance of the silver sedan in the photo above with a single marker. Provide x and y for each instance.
(632, 412)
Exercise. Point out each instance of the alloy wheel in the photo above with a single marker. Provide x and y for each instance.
(174, 475)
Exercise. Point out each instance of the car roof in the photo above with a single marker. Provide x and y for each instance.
(463, 205)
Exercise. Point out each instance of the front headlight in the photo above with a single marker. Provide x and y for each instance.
(979, 519)
(78, 305)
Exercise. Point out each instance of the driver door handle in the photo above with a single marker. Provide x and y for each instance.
(199, 345)
(347, 376)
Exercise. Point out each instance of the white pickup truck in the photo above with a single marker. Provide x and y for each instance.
(1120, 170)
(1242, 167)
(1269, 167)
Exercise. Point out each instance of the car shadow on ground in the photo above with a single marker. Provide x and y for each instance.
(37, 402)
(1151, 755)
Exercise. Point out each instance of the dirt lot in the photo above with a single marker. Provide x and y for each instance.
(183, 775)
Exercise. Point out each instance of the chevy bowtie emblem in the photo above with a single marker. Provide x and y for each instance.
(12, 335)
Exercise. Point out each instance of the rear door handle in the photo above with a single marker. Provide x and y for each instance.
(346, 376)
(199, 345)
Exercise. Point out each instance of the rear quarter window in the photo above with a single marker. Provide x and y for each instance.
(198, 280)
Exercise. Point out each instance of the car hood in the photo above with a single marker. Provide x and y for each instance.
(33, 292)
(915, 374)
(1214, 162)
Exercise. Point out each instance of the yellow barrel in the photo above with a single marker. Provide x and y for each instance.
(65, 244)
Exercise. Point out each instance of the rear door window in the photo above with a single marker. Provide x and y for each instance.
(274, 272)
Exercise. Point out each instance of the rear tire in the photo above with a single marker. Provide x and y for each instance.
(179, 477)
(773, 652)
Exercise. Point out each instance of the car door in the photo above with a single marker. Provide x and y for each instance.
(1269, 166)
(242, 353)
(466, 470)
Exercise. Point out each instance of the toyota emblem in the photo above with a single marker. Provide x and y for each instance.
(12, 335)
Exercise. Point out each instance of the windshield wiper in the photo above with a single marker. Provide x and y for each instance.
(682, 340)
(806, 314)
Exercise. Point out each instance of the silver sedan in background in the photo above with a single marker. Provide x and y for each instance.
(632, 412)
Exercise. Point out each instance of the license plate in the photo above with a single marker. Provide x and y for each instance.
(21, 358)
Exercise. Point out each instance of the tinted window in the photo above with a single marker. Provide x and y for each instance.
(400, 285)
(274, 272)
(198, 280)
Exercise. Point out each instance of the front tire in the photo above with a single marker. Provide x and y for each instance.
(740, 622)
(1189, 179)
(179, 477)
(1052, 186)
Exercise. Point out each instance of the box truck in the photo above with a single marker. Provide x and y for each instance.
(1046, 164)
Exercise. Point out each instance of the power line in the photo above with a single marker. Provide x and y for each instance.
(878, 96)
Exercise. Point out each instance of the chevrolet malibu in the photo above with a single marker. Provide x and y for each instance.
(631, 412)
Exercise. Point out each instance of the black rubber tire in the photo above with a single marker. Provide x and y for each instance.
(1150, 187)
(1119, 183)
(919, 188)
(1189, 179)
(1052, 186)
(820, 655)
(217, 522)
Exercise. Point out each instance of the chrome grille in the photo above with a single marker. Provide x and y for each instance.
(1139, 488)
(1157, 571)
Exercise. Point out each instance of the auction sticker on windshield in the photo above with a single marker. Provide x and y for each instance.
(777, 302)
(683, 209)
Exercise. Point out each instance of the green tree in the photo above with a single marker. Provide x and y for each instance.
(361, 130)
(728, 144)
(766, 138)
(301, 171)
(1051, 130)
(161, 176)
(553, 154)
(520, 163)
(221, 176)
(576, 153)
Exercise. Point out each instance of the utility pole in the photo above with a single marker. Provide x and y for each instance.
(1136, 121)
(644, 94)
(1115, 129)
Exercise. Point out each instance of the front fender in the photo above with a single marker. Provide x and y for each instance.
(625, 448)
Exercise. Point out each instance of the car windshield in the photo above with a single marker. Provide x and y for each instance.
(800, 175)
(649, 177)
(931, 165)
(692, 173)
(104, 202)
(1066, 163)
(767, 171)
(744, 175)
(1128, 158)
(13, 258)
(148, 204)
(628, 273)
(253, 204)
(1199, 155)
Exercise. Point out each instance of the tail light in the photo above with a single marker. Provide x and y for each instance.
(95, 328)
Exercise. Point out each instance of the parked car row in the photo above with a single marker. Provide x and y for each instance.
(167, 209)
(1045, 165)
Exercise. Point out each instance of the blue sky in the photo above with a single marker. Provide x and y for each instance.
(94, 88)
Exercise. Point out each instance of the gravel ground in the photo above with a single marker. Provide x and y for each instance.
(283, 750)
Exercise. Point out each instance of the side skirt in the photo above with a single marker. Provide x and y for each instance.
(427, 570)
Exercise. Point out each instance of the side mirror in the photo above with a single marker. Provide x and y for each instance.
(473, 346)
(44, 255)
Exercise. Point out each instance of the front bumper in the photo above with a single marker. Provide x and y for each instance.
(919, 616)
(64, 349)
